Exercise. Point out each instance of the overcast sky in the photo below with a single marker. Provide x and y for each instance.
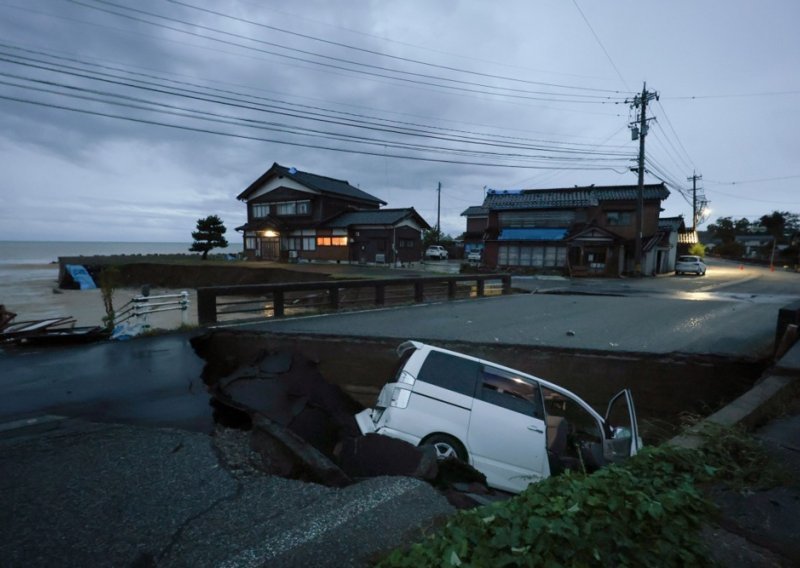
(129, 124)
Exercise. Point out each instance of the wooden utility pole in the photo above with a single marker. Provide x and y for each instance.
(640, 131)
(439, 214)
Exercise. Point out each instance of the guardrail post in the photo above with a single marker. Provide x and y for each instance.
(206, 306)
(451, 289)
(481, 286)
(419, 291)
(277, 303)
(184, 304)
(334, 292)
(380, 294)
(506, 284)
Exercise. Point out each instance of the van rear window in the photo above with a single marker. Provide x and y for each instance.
(449, 372)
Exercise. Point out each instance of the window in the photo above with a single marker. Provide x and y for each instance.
(260, 210)
(503, 389)
(309, 243)
(293, 208)
(406, 243)
(331, 241)
(452, 373)
(619, 218)
(250, 243)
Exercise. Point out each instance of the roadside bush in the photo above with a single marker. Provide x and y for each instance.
(645, 512)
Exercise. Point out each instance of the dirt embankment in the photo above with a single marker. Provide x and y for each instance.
(178, 276)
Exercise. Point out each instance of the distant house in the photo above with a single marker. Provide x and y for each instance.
(675, 239)
(294, 215)
(755, 246)
(580, 230)
(477, 222)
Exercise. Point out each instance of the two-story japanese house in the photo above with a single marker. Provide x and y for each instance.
(295, 215)
(580, 230)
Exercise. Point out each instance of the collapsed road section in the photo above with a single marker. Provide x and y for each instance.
(301, 400)
(303, 427)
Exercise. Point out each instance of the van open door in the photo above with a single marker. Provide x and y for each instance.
(621, 429)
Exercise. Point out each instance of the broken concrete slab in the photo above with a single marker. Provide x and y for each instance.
(374, 455)
(109, 495)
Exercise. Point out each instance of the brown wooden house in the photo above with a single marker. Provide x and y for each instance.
(300, 216)
(579, 230)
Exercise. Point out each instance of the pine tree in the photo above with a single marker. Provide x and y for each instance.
(209, 235)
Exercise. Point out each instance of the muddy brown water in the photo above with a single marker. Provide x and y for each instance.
(668, 390)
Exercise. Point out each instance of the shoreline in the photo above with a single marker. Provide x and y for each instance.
(31, 291)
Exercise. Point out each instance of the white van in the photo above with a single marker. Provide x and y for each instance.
(513, 427)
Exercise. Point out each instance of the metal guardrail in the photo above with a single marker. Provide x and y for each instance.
(139, 307)
(267, 299)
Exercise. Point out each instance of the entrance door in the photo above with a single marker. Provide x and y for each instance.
(270, 248)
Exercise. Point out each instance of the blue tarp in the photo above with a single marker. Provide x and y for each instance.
(80, 276)
(549, 234)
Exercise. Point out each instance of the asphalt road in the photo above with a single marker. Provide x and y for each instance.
(156, 380)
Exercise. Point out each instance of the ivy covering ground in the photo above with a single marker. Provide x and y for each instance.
(645, 512)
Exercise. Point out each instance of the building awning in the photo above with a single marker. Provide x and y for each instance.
(549, 234)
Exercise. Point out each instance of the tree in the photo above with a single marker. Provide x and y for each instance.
(779, 224)
(724, 229)
(434, 237)
(698, 249)
(209, 235)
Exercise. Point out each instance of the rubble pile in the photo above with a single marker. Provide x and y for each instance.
(303, 427)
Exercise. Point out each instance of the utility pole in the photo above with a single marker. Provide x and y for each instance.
(640, 131)
(694, 179)
(439, 214)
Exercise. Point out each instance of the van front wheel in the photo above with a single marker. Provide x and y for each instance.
(446, 447)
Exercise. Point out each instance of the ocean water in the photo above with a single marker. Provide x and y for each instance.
(45, 252)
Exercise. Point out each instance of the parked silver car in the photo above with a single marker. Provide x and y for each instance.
(690, 263)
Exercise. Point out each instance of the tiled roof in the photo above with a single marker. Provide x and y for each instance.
(475, 211)
(376, 217)
(313, 181)
(569, 198)
(671, 223)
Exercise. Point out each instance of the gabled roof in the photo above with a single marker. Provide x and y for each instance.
(672, 223)
(475, 211)
(376, 217)
(312, 181)
(569, 197)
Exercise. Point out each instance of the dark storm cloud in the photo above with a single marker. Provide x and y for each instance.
(158, 180)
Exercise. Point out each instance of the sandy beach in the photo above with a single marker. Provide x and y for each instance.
(31, 291)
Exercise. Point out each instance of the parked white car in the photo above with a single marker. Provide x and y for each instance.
(511, 426)
(474, 256)
(690, 263)
(436, 251)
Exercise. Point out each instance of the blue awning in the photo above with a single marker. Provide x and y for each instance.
(532, 234)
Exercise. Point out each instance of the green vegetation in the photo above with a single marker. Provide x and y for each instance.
(435, 237)
(698, 249)
(645, 512)
(209, 235)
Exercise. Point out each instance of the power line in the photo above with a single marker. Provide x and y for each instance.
(278, 101)
(382, 54)
(238, 103)
(497, 91)
(742, 182)
(277, 141)
(600, 43)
